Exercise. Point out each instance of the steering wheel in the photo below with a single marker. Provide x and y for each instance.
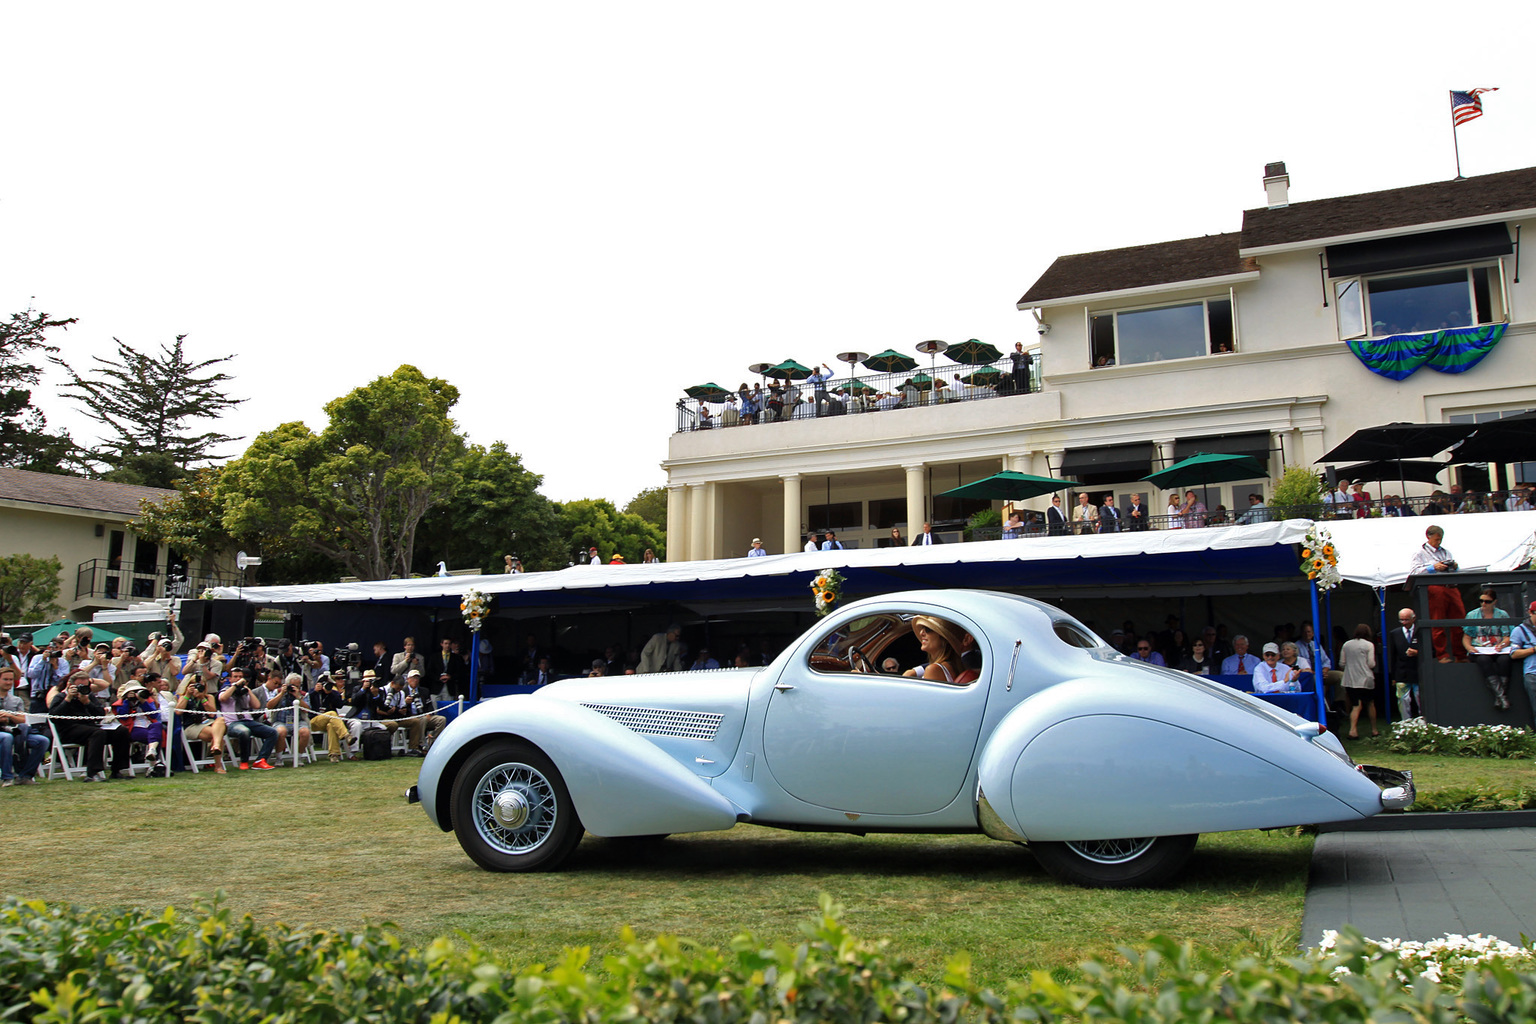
(857, 662)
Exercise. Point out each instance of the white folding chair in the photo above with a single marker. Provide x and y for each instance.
(67, 757)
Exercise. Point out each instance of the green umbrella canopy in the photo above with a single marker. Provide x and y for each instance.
(1009, 486)
(973, 352)
(710, 392)
(1205, 468)
(858, 385)
(890, 361)
(921, 381)
(43, 634)
(984, 377)
(791, 369)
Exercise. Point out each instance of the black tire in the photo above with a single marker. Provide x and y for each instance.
(1116, 863)
(511, 810)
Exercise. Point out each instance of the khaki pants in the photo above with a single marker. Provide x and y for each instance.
(431, 725)
(335, 732)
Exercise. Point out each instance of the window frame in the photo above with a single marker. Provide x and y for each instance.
(1203, 301)
(1498, 296)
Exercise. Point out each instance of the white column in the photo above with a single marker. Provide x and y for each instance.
(917, 511)
(792, 541)
(677, 522)
(698, 511)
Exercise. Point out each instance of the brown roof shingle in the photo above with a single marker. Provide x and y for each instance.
(1188, 259)
(1437, 202)
(75, 492)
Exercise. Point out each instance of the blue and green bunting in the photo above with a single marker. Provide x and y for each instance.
(1456, 350)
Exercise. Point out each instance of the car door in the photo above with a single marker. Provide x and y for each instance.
(870, 743)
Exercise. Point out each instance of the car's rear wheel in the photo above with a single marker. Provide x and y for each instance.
(511, 810)
(1116, 863)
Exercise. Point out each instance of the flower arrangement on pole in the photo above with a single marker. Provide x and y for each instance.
(1320, 559)
(827, 589)
(475, 605)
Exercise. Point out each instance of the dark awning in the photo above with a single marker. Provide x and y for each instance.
(1108, 463)
(1429, 249)
(1255, 444)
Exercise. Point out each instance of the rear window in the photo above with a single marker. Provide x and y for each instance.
(1072, 636)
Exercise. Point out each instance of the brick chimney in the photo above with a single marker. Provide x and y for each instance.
(1277, 185)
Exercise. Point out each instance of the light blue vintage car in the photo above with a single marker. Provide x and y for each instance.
(1107, 768)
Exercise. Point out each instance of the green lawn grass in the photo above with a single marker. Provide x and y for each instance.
(336, 845)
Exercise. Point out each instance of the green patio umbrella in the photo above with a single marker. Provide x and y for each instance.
(858, 386)
(890, 361)
(43, 634)
(973, 352)
(706, 392)
(921, 381)
(790, 369)
(1204, 468)
(986, 377)
(1009, 486)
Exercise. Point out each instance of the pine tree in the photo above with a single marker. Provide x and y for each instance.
(147, 402)
(25, 442)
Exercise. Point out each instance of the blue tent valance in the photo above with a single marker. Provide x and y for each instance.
(1455, 350)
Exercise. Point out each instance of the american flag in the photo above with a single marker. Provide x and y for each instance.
(1466, 105)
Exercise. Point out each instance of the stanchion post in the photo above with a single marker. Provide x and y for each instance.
(293, 739)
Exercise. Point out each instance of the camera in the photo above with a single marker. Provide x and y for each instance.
(130, 650)
(167, 644)
(239, 693)
(196, 687)
(81, 690)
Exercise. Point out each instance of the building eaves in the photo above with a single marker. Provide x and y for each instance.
(1185, 261)
(1415, 206)
(76, 493)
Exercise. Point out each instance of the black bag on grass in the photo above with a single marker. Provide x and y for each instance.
(376, 745)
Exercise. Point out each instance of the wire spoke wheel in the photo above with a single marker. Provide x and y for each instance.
(515, 808)
(1115, 863)
(1111, 851)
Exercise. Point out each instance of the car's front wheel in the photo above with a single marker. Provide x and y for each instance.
(1116, 863)
(511, 810)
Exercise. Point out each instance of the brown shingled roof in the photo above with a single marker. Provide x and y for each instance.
(1413, 206)
(1188, 259)
(75, 492)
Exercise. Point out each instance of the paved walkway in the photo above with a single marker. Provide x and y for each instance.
(1424, 883)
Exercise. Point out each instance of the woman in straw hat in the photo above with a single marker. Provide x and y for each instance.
(941, 641)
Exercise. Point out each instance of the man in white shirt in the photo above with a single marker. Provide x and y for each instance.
(1270, 676)
(811, 543)
(926, 538)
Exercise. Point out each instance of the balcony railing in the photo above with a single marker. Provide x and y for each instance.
(865, 393)
(99, 578)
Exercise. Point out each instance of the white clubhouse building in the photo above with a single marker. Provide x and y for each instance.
(1233, 343)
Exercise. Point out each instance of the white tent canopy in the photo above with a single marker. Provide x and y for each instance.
(1375, 552)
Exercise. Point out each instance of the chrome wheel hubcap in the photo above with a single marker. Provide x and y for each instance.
(1111, 851)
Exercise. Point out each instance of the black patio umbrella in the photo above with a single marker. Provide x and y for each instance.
(1511, 439)
(1398, 441)
(973, 352)
(890, 361)
(1421, 471)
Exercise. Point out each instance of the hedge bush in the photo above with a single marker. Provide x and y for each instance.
(63, 964)
(1416, 736)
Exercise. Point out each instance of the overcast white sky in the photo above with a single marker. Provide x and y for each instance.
(573, 211)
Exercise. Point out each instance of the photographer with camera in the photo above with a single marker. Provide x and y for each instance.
(328, 701)
(16, 736)
(424, 718)
(79, 719)
(236, 706)
(100, 668)
(47, 669)
(283, 696)
(160, 657)
(313, 663)
(138, 713)
(203, 665)
(200, 719)
(250, 655)
(406, 661)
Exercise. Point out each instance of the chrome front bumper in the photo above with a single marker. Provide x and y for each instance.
(1397, 792)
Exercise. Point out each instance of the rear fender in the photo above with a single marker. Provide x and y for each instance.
(620, 783)
(1097, 759)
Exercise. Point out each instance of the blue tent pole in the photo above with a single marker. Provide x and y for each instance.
(1386, 655)
(1317, 662)
(474, 666)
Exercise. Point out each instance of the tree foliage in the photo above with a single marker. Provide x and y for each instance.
(29, 588)
(357, 491)
(650, 505)
(148, 402)
(1297, 492)
(497, 511)
(191, 521)
(595, 522)
(25, 442)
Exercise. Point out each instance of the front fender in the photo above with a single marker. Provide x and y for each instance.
(1103, 758)
(620, 783)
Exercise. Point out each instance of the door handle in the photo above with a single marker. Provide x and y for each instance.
(781, 687)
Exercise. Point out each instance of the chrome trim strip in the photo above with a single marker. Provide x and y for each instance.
(991, 824)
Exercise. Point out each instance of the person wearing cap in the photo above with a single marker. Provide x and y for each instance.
(1522, 645)
(328, 701)
(593, 558)
(16, 734)
(99, 668)
(138, 711)
(757, 550)
(1269, 676)
(160, 655)
(425, 723)
(663, 652)
(941, 641)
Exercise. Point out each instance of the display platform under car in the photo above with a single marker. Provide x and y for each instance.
(1035, 731)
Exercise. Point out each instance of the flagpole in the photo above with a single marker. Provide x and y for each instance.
(1455, 141)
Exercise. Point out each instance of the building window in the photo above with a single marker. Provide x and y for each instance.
(1418, 303)
(1134, 336)
(841, 515)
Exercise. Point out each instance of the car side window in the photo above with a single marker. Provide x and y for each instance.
(886, 644)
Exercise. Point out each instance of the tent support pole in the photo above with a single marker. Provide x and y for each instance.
(1317, 663)
(1386, 655)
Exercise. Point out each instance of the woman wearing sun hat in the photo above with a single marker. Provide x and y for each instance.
(942, 643)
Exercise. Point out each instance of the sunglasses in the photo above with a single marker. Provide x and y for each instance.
(1485, 600)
